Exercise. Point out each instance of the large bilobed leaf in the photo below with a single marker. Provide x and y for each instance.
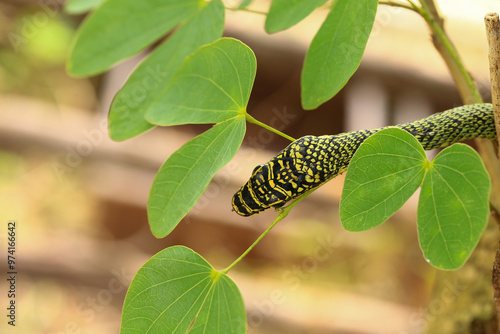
(212, 85)
(453, 207)
(181, 180)
(177, 292)
(285, 13)
(383, 173)
(336, 50)
(126, 116)
(120, 28)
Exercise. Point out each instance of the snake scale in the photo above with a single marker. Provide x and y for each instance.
(311, 161)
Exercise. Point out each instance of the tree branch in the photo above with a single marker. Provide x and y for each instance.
(492, 23)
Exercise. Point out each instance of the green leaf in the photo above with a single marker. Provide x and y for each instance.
(120, 28)
(212, 85)
(245, 3)
(182, 179)
(454, 201)
(336, 50)
(285, 13)
(384, 172)
(453, 206)
(126, 116)
(81, 6)
(178, 291)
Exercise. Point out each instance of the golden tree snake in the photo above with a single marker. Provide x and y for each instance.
(311, 161)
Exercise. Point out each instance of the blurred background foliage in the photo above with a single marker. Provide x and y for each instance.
(34, 42)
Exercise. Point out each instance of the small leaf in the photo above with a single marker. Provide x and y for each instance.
(126, 116)
(212, 85)
(245, 3)
(384, 172)
(336, 50)
(120, 28)
(181, 180)
(81, 6)
(178, 291)
(285, 13)
(453, 207)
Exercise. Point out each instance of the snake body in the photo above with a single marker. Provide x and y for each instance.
(311, 161)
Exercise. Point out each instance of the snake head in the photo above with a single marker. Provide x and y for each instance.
(257, 194)
(283, 178)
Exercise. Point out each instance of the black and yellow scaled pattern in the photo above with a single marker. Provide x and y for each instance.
(310, 161)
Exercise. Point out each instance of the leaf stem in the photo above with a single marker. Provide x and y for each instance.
(224, 271)
(397, 4)
(284, 212)
(412, 4)
(250, 119)
(234, 9)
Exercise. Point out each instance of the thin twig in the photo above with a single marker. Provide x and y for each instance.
(495, 278)
(431, 7)
(466, 87)
(465, 84)
(492, 23)
(397, 4)
(490, 160)
(414, 5)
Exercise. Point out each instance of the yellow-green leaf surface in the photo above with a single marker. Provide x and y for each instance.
(285, 13)
(148, 81)
(212, 85)
(336, 50)
(181, 180)
(453, 207)
(120, 28)
(384, 172)
(176, 292)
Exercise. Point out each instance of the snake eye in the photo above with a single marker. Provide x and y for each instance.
(256, 168)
